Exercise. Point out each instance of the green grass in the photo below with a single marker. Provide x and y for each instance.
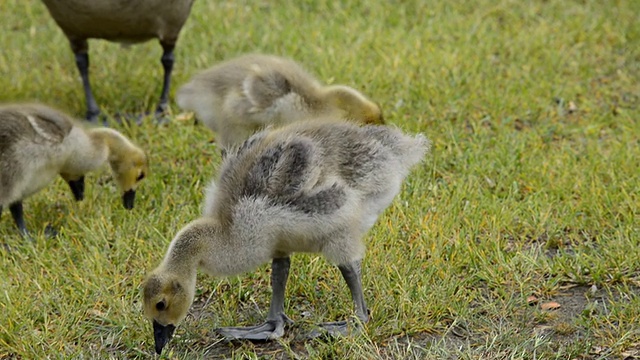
(522, 195)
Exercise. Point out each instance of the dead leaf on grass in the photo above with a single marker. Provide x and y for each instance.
(541, 329)
(551, 305)
(185, 116)
(630, 355)
(572, 107)
(97, 313)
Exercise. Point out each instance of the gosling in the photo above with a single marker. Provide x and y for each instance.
(38, 143)
(308, 187)
(242, 96)
(126, 22)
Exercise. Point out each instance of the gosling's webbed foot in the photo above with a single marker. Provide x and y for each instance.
(271, 329)
(336, 328)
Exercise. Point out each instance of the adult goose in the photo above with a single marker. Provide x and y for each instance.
(125, 22)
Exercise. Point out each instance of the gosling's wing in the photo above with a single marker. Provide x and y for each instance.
(32, 123)
(50, 124)
(12, 130)
(286, 171)
(290, 173)
(314, 167)
(47, 124)
(275, 84)
(364, 158)
(264, 86)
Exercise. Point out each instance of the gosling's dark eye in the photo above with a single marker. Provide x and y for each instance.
(161, 305)
(140, 177)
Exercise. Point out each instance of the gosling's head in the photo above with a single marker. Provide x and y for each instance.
(128, 162)
(166, 302)
(129, 169)
(353, 105)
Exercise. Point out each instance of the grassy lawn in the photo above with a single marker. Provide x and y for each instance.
(528, 200)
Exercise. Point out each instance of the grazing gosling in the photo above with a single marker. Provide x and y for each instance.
(38, 143)
(308, 187)
(121, 21)
(242, 96)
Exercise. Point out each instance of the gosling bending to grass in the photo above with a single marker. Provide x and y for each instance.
(121, 21)
(242, 96)
(308, 187)
(38, 143)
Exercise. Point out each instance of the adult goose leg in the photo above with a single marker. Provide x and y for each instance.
(80, 49)
(167, 61)
(274, 326)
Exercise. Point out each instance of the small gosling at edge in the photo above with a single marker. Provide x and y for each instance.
(38, 143)
(241, 96)
(308, 187)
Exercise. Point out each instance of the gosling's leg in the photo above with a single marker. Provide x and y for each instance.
(274, 326)
(4, 245)
(17, 213)
(353, 276)
(77, 188)
(167, 63)
(81, 51)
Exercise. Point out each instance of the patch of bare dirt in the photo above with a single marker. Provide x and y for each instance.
(565, 308)
(557, 318)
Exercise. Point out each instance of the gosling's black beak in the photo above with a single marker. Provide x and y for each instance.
(128, 198)
(162, 335)
(77, 188)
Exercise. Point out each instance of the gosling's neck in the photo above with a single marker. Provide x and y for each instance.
(203, 244)
(85, 153)
(116, 144)
(351, 104)
(337, 98)
(336, 94)
(192, 247)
